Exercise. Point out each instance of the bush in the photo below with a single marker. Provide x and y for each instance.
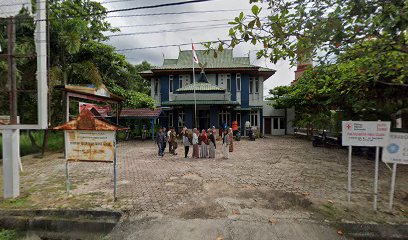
(55, 142)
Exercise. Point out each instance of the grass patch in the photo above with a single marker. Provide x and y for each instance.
(55, 142)
(329, 211)
(6, 234)
(15, 203)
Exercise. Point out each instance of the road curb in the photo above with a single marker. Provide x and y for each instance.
(60, 222)
(363, 231)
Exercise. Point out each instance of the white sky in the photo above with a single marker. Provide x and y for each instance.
(283, 76)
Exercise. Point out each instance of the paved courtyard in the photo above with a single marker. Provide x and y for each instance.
(271, 178)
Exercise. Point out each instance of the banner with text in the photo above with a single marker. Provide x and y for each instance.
(365, 133)
(93, 146)
(396, 149)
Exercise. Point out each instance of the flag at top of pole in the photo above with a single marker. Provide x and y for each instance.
(195, 59)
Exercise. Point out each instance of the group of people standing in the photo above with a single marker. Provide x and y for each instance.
(163, 137)
(204, 144)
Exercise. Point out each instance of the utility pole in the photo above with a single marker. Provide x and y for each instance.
(11, 137)
(11, 35)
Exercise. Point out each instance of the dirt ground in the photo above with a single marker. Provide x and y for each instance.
(271, 178)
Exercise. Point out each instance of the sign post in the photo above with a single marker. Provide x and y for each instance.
(365, 133)
(395, 152)
(88, 139)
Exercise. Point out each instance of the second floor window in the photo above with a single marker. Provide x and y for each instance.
(229, 82)
(184, 80)
(170, 83)
(238, 82)
(256, 85)
(156, 86)
(180, 81)
(251, 85)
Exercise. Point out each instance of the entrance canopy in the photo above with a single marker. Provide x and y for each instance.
(142, 113)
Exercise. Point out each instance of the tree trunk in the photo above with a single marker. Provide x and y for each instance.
(31, 137)
(45, 142)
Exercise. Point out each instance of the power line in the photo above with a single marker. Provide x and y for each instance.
(163, 46)
(172, 23)
(176, 13)
(171, 30)
(158, 5)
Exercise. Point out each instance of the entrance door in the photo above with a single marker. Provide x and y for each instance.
(268, 126)
(203, 120)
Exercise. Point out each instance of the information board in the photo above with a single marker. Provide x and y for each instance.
(396, 149)
(93, 146)
(365, 133)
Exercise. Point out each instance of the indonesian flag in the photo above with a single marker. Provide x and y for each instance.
(195, 59)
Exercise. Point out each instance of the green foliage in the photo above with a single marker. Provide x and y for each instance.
(363, 85)
(293, 29)
(6, 234)
(55, 142)
(78, 55)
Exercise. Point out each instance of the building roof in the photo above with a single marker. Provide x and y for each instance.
(224, 60)
(91, 90)
(199, 102)
(200, 87)
(86, 120)
(141, 113)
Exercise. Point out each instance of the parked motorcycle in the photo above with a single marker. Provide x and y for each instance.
(251, 135)
(322, 140)
(238, 136)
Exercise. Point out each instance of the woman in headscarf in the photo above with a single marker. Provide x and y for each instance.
(186, 142)
(225, 145)
(204, 144)
(230, 134)
(195, 144)
(212, 143)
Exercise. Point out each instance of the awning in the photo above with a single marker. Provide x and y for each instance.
(199, 102)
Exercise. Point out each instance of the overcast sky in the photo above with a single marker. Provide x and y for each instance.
(217, 30)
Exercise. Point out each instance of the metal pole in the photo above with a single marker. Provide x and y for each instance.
(12, 70)
(377, 157)
(195, 99)
(11, 137)
(377, 154)
(114, 169)
(349, 175)
(41, 48)
(67, 177)
(394, 173)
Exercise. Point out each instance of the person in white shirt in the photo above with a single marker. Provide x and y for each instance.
(168, 140)
(196, 151)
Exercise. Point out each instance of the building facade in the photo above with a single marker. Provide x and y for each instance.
(226, 89)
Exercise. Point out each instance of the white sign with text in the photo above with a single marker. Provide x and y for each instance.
(396, 149)
(365, 133)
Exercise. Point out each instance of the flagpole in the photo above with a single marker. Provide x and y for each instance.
(194, 86)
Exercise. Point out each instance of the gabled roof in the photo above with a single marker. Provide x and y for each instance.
(87, 121)
(224, 59)
(200, 87)
(142, 113)
(91, 90)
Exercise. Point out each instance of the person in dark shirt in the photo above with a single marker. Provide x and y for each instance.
(161, 141)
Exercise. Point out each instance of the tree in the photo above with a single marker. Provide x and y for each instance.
(363, 85)
(322, 29)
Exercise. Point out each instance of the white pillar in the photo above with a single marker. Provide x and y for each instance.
(11, 155)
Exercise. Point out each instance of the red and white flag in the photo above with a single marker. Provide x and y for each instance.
(195, 59)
